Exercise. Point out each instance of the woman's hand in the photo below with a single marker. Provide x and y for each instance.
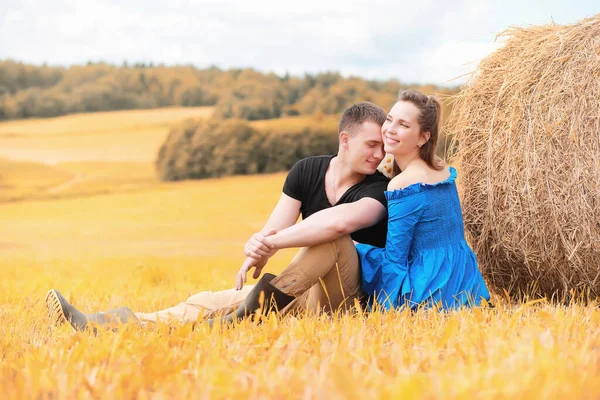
(248, 263)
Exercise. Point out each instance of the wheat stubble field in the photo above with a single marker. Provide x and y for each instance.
(81, 211)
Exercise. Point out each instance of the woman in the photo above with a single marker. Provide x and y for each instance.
(426, 260)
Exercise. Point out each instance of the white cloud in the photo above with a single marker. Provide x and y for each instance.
(453, 59)
(425, 41)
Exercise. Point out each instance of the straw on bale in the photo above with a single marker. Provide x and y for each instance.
(527, 132)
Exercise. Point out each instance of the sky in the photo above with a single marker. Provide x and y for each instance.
(413, 41)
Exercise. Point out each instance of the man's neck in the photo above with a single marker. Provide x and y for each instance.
(344, 174)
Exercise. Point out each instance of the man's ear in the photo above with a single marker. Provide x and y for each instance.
(344, 138)
(425, 136)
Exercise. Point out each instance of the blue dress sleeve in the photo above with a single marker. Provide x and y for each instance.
(404, 212)
(384, 271)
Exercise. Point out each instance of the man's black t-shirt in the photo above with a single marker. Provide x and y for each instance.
(306, 182)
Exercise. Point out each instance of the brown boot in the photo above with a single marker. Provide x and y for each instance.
(264, 296)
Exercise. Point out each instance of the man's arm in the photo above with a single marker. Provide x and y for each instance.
(284, 215)
(321, 227)
(329, 224)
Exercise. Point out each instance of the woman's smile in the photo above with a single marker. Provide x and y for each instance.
(389, 140)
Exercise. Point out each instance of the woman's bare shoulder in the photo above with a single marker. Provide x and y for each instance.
(424, 175)
(405, 179)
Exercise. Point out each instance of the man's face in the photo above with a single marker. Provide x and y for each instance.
(365, 148)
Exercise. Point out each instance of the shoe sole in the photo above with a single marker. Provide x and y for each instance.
(55, 309)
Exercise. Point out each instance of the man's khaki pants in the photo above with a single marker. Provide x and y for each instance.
(323, 278)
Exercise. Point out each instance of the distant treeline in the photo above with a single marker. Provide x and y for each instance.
(45, 91)
(200, 149)
(209, 148)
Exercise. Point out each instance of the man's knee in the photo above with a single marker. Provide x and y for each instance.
(336, 244)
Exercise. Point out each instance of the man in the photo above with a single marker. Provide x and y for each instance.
(336, 195)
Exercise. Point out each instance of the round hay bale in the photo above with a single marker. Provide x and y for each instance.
(526, 128)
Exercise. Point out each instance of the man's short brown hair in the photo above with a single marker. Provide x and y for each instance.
(358, 113)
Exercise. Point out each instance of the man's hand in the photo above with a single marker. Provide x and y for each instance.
(248, 263)
(258, 246)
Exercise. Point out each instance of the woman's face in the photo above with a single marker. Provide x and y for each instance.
(401, 132)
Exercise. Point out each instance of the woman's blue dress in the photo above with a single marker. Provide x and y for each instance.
(426, 260)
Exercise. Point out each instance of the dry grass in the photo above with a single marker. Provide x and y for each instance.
(26, 180)
(325, 123)
(528, 129)
(150, 250)
(84, 154)
(133, 136)
(152, 247)
(102, 121)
